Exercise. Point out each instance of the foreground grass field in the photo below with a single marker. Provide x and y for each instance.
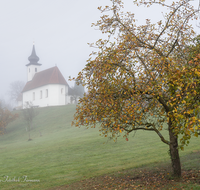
(65, 155)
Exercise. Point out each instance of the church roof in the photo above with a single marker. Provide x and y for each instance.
(49, 76)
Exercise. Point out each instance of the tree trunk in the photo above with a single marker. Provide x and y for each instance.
(29, 132)
(174, 152)
(29, 135)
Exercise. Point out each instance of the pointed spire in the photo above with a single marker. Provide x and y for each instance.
(33, 58)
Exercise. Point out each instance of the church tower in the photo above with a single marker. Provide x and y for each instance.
(33, 67)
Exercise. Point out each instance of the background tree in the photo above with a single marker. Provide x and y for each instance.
(5, 118)
(76, 92)
(142, 78)
(16, 90)
(29, 114)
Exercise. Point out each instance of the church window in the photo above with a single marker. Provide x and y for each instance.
(33, 95)
(29, 70)
(61, 90)
(35, 69)
(46, 93)
(41, 94)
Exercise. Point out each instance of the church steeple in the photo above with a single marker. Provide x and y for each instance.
(33, 67)
(33, 58)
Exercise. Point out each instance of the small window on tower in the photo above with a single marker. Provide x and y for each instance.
(61, 90)
(29, 70)
(35, 69)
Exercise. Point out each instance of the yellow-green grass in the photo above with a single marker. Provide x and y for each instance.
(65, 154)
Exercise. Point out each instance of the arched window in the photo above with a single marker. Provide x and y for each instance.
(33, 95)
(35, 69)
(46, 93)
(41, 94)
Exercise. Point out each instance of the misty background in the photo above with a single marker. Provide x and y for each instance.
(60, 30)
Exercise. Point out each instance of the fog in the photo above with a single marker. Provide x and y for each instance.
(60, 30)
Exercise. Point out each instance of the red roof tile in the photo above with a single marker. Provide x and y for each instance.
(49, 76)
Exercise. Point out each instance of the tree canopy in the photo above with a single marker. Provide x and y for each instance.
(141, 77)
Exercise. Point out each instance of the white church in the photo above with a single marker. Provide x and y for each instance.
(44, 88)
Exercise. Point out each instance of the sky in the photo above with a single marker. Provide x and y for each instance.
(60, 31)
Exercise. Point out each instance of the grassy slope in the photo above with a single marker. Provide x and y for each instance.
(65, 154)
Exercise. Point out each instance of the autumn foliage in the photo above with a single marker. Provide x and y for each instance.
(5, 118)
(142, 78)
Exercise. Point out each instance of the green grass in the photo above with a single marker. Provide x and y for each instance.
(65, 154)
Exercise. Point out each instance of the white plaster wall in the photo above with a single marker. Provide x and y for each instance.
(32, 71)
(55, 96)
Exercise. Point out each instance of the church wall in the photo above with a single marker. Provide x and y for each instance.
(48, 95)
(57, 94)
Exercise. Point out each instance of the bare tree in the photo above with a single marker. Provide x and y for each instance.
(16, 90)
(29, 114)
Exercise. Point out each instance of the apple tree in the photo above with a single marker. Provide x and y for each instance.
(141, 77)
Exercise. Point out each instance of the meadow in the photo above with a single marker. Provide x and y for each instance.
(60, 154)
